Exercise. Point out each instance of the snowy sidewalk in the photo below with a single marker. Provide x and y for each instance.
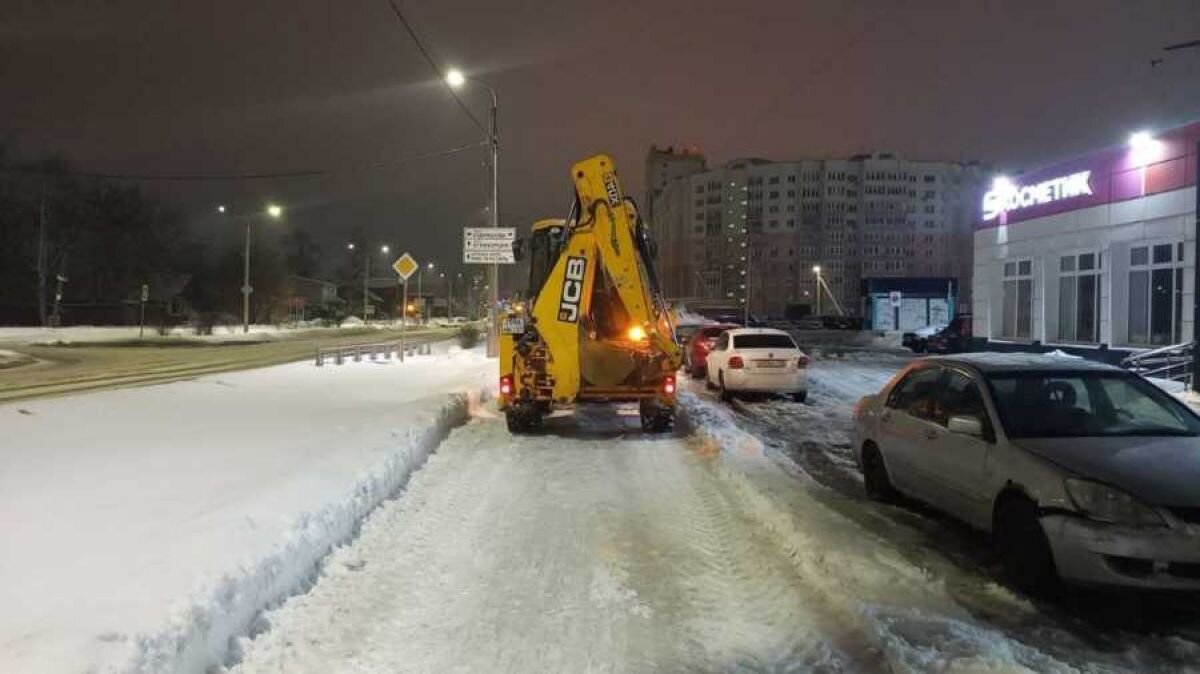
(142, 527)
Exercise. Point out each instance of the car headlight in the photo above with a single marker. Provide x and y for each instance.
(1103, 503)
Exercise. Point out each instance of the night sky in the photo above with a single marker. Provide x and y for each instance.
(174, 86)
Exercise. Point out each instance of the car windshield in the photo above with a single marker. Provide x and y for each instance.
(1086, 404)
(761, 341)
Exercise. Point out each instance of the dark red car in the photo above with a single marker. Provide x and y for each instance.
(696, 354)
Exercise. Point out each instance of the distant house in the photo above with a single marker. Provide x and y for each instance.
(309, 296)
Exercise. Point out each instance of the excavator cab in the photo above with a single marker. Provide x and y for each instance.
(596, 327)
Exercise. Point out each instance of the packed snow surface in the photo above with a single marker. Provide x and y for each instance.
(144, 527)
(595, 548)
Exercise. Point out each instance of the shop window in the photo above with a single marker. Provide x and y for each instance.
(1079, 298)
(1017, 319)
(1156, 294)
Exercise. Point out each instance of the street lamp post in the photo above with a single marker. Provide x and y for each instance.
(817, 271)
(455, 78)
(420, 296)
(366, 301)
(275, 212)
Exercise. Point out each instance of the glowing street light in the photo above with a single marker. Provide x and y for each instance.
(456, 79)
(350, 246)
(275, 212)
(385, 249)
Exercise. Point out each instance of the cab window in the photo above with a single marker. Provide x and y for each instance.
(962, 397)
(917, 394)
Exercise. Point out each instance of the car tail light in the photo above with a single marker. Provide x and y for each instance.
(506, 385)
(736, 363)
(802, 362)
(669, 385)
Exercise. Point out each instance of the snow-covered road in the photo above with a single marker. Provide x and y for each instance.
(594, 548)
(591, 548)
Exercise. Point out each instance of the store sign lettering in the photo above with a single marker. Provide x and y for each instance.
(1006, 196)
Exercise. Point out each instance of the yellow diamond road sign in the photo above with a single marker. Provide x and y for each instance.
(405, 266)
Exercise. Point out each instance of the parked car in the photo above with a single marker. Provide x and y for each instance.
(808, 323)
(918, 340)
(683, 334)
(757, 360)
(695, 355)
(1081, 472)
(841, 322)
(954, 338)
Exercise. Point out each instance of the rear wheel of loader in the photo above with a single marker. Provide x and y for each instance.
(655, 417)
(522, 418)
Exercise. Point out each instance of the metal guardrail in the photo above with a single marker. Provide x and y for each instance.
(1169, 362)
(357, 352)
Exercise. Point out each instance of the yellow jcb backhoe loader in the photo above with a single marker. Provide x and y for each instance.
(595, 326)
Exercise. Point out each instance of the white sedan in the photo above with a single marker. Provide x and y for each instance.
(757, 360)
(1080, 471)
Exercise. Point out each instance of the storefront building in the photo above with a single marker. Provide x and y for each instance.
(1097, 251)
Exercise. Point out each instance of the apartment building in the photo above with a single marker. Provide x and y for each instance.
(753, 230)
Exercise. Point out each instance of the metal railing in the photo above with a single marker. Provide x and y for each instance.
(1168, 362)
(359, 352)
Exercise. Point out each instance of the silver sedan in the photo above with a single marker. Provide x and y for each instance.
(1080, 471)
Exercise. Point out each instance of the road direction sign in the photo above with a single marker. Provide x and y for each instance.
(489, 245)
(895, 298)
(405, 266)
(145, 292)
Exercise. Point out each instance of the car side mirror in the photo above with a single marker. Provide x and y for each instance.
(971, 426)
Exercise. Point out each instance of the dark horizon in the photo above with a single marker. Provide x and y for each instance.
(135, 86)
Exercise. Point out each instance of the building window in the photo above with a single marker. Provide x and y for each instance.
(1079, 298)
(1017, 319)
(773, 180)
(1156, 294)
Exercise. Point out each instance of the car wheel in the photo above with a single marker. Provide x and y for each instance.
(726, 394)
(875, 476)
(1022, 545)
(800, 396)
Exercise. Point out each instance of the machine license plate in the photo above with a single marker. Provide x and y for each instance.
(771, 363)
(513, 326)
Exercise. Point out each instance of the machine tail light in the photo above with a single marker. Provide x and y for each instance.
(736, 363)
(669, 385)
(506, 385)
(802, 362)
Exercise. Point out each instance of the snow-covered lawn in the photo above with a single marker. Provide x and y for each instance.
(144, 527)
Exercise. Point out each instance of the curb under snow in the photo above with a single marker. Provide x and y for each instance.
(200, 635)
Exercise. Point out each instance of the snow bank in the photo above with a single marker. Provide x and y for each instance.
(144, 528)
(201, 630)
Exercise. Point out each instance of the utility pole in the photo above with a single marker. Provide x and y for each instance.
(41, 258)
(246, 289)
(366, 287)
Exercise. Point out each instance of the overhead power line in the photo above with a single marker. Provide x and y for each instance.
(433, 64)
(212, 177)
